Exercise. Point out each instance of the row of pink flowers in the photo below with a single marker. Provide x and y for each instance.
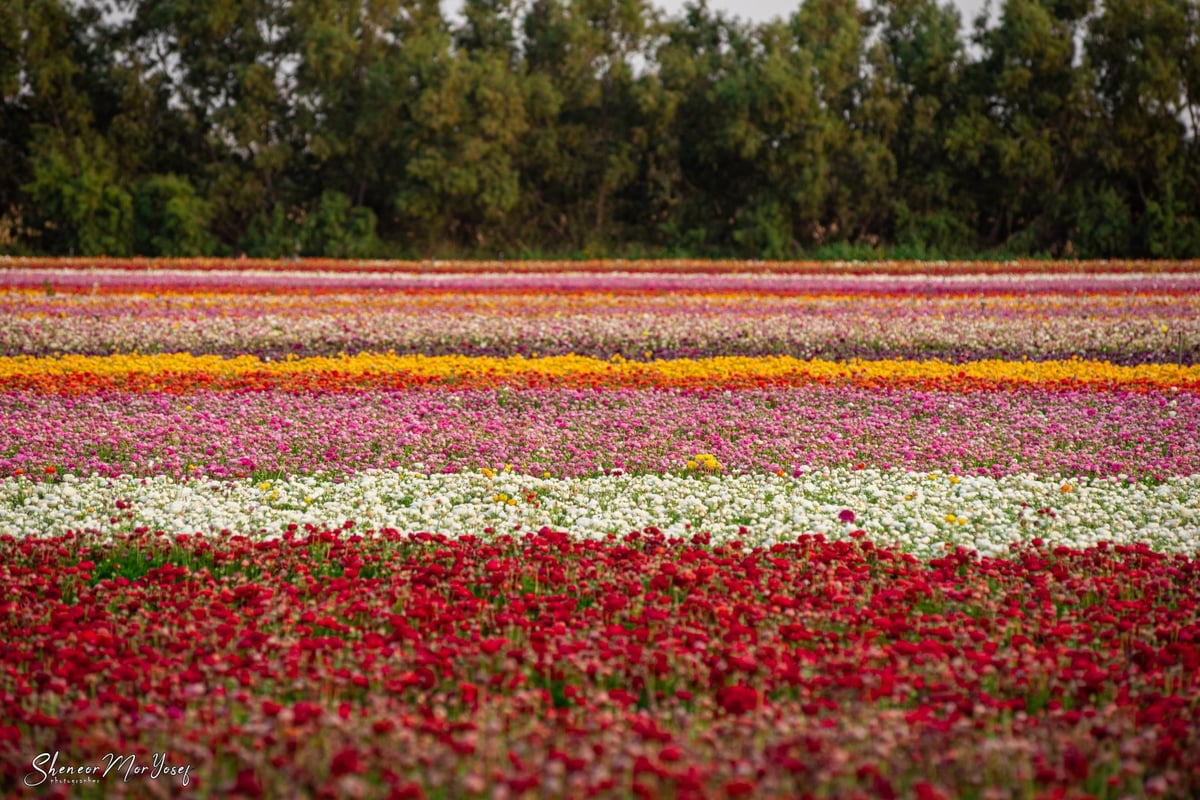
(580, 432)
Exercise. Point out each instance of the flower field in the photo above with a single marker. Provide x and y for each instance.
(599, 529)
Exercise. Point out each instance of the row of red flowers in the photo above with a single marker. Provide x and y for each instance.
(331, 664)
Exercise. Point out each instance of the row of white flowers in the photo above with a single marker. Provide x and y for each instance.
(921, 513)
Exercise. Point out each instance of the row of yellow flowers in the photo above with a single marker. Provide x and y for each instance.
(769, 368)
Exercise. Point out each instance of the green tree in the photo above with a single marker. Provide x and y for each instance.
(580, 61)
(170, 219)
(229, 65)
(361, 67)
(491, 26)
(854, 124)
(1144, 56)
(461, 177)
(43, 88)
(337, 229)
(78, 202)
(704, 181)
(1030, 121)
(315, 127)
(917, 65)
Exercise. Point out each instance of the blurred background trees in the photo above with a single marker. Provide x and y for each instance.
(598, 127)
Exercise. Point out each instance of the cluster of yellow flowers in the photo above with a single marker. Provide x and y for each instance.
(704, 461)
(517, 367)
(491, 473)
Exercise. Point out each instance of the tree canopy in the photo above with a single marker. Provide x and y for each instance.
(598, 127)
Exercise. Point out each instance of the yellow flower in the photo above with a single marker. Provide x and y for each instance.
(704, 461)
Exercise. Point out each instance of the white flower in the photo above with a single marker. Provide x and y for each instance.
(458, 503)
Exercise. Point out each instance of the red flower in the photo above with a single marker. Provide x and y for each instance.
(739, 788)
(248, 784)
(737, 699)
(345, 762)
(924, 790)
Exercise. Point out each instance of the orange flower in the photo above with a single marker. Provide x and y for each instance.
(182, 372)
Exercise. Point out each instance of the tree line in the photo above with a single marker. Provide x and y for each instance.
(598, 127)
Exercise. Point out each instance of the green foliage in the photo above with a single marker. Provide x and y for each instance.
(460, 177)
(599, 128)
(273, 234)
(338, 229)
(1103, 223)
(170, 219)
(765, 230)
(1170, 229)
(332, 227)
(934, 234)
(77, 198)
